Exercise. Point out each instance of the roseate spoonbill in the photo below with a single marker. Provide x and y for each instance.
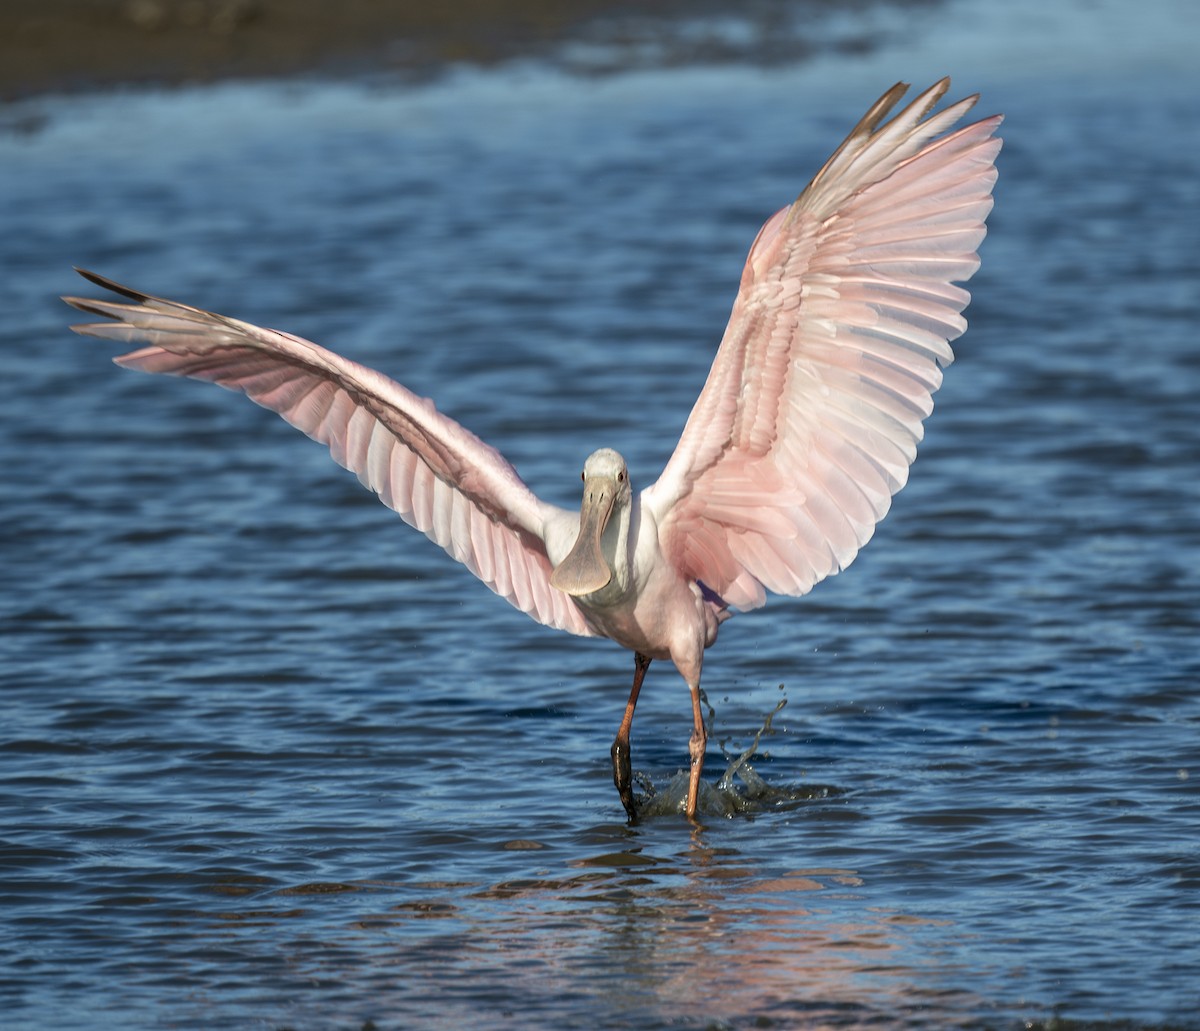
(804, 430)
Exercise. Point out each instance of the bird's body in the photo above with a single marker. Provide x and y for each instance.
(804, 430)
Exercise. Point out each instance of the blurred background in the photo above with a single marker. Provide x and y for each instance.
(84, 44)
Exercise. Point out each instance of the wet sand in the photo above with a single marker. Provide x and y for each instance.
(78, 45)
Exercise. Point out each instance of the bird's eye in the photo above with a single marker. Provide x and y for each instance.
(621, 476)
(583, 476)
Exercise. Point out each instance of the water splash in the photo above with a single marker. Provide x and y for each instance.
(741, 765)
(726, 798)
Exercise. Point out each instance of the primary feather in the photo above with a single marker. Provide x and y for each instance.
(813, 409)
(436, 475)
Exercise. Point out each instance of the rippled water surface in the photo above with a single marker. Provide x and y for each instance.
(269, 759)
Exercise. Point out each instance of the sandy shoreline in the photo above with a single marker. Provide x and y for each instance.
(74, 46)
(80, 45)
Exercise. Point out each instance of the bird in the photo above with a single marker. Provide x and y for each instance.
(804, 430)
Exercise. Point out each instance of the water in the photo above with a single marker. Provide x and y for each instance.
(271, 760)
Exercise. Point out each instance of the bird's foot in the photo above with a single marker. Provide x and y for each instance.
(623, 776)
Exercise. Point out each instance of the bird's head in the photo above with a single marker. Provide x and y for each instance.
(605, 490)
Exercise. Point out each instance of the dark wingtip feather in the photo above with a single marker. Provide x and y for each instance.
(108, 284)
(85, 305)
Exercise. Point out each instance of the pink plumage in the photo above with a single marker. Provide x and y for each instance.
(803, 432)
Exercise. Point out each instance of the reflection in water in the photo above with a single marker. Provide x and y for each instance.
(705, 934)
(729, 939)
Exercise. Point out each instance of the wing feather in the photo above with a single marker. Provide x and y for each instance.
(435, 474)
(813, 408)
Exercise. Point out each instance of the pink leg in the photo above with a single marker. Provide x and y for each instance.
(621, 761)
(696, 745)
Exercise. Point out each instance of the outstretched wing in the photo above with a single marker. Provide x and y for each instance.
(812, 411)
(435, 474)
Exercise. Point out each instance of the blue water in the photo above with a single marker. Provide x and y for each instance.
(269, 759)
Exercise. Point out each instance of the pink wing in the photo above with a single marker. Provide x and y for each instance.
(812, 411)
(435, 474)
